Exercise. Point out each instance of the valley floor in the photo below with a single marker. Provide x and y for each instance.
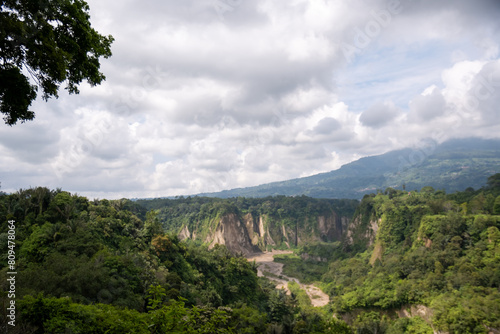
(274, 271)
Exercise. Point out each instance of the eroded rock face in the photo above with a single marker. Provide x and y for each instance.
(234, 234)
(367, 233)
(253, 229)
(185, 234)
(249, 234)
(331, 228)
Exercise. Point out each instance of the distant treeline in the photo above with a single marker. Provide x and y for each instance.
(173, 213)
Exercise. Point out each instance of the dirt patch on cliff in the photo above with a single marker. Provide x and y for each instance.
(274, 271)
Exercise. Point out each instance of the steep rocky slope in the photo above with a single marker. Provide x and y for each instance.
(250, 225)
(248, 234)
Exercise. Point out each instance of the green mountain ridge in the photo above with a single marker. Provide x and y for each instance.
(452, 166)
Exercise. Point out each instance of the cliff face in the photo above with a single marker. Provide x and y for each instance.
(331, 228)
(249, 234)
(362, 230)
(230, 231)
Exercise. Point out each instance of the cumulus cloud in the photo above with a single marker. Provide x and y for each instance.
(484, 93)
(327, 125)
(379, 114)
(34, 143)
(427, 106)
(210, 95)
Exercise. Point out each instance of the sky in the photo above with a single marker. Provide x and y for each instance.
(206, 95)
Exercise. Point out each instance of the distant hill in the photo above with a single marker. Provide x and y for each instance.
(453, 166)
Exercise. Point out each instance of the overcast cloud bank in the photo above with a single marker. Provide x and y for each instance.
(203, 96)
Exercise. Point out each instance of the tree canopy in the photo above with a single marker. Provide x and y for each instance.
(49, 42)
(106, 266)
(95, 267)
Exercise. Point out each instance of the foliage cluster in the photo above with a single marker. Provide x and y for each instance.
(306, 272)
(52, 42)
(436, 250)
(96, 267)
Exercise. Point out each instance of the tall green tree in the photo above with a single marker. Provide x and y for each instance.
(496, 206)
(494, 181)
(51, 41)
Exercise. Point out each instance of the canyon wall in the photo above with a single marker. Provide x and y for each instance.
(247, 234)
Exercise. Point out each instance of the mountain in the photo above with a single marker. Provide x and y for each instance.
(453, 166)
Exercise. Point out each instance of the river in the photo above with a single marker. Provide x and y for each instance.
(274, 271)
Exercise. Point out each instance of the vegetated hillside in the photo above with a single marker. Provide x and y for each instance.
(408, 262)
(248, 225)
(95, 267)
(453, 166)
(414, 262)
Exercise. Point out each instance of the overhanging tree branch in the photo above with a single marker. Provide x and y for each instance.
(55, 43)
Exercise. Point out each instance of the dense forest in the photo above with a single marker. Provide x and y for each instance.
(410, 262)
(434, 264)
(95, 267)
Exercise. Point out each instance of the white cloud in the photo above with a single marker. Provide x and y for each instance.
(427, 106)
(197, 99)
(379, 114)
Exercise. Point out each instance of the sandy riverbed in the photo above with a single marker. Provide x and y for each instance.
(266, 264)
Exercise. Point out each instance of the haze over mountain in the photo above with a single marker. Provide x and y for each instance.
(453, 166)
(263, 91)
